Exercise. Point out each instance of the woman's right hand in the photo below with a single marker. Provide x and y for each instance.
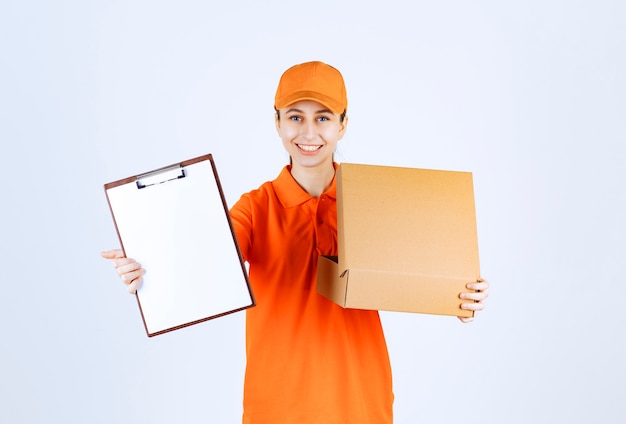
(129, 270)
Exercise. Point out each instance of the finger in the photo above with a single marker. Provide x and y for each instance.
(478, 285)
(112, 254)
(465, 320)
(134, 285)
(476, 296)
(129, 277)
(126, 265)
(475, 306)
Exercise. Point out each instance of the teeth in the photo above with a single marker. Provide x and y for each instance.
(309, 147)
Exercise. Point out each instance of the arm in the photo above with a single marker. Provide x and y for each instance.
(129, 270)
(478, 298)
(241, 218)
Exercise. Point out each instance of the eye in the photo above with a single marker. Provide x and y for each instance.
(295, 118)
(323, 118)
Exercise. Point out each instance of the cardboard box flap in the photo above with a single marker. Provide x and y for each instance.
(380, 290)
(329, 282)
(407, 221)
(405, 293)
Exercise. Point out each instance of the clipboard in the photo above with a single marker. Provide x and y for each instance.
(175, 222)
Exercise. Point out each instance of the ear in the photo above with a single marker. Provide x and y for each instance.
(277, 121)
(343, 127)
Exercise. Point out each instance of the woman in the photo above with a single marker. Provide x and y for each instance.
(308, 359)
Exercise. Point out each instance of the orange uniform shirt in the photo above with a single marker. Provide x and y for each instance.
(308, 359)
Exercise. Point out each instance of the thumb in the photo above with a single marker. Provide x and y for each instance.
(112, 254)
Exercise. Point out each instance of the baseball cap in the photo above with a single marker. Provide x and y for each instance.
(312, 81)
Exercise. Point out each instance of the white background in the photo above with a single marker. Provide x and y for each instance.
(530, 96)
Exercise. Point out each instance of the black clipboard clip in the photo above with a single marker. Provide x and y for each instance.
(160, 176)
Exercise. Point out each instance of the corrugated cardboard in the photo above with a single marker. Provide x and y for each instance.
(407, 240)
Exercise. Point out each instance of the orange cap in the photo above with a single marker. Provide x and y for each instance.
(312, 81)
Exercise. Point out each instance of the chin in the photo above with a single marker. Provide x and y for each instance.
(311, 162)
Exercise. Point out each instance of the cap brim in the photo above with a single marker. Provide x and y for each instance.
(332, 104)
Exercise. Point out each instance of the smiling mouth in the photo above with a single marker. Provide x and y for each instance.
(309, 147)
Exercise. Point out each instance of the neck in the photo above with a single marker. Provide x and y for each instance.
(314, 180)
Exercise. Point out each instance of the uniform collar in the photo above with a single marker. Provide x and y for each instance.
(291, 194)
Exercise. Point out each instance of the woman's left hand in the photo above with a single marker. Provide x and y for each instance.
(477, 297)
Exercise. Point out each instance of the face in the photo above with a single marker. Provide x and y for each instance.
(310, 133)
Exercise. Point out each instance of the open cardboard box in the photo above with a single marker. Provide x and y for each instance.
(407, 240)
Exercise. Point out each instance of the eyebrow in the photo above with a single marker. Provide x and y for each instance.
(300, 111)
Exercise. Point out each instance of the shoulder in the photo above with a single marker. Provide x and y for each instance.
(255, 198)
(265, 197)
(264, 191)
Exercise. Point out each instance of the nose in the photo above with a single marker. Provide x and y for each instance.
(307, 130)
